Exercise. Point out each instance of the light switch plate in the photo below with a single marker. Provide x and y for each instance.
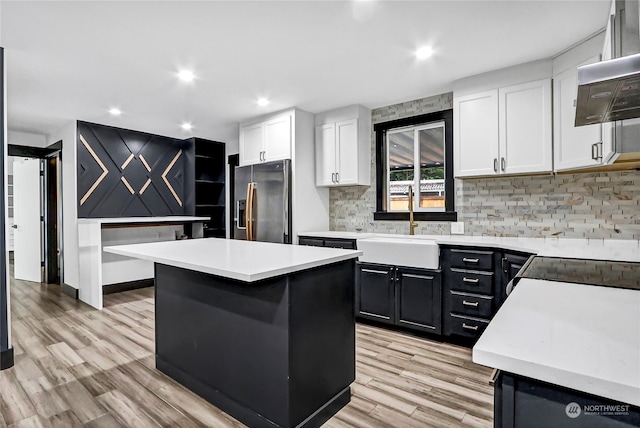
(457, 228)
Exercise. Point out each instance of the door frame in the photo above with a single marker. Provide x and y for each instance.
(51, 196)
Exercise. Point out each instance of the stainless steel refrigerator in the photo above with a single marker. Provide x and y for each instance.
(262, 206)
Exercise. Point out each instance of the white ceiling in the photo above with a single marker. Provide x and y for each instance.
(75, 60)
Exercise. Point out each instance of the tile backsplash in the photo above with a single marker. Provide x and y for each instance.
(581, 205)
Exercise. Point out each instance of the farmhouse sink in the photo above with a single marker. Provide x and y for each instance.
(411, 252)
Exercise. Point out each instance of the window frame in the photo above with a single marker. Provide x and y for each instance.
(416, 165)
(380, 129)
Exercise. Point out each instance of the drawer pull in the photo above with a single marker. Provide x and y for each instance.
(471, 280)
(474, 304)
(469, 327)
(467, 260)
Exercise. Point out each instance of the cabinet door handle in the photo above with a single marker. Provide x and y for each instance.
(333, 177)
(467, 260)
(469, 327)
(495, 164)
(337, 177)
(503, 164)
(472, 304)
(471, 280)
(264, 156)
(594, 151)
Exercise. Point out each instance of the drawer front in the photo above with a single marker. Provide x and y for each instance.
(313, 242)
(466, 327)
(471, 281)
(472, 259)
(347, 244)
(475, 306)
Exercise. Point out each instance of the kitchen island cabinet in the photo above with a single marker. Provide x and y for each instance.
(561, 346)
(264, 331)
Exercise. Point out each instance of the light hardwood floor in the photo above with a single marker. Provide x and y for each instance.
(77, 366)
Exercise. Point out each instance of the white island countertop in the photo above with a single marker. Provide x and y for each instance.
(575, 248)
(582, 337)
(242, 260)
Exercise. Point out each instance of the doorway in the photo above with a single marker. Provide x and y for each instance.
(35, 213)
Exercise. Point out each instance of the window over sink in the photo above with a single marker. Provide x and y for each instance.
(418, 152)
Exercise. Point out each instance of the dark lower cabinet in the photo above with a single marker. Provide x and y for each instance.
(375, 291)
(418, 299)
(400, 296)
(347, 244)
(520, 402)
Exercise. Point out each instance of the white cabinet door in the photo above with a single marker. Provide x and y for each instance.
(251, 144)
(525, 128)
(26, 201)
(573, 146)
(347, 148)
(325, 154)
(277, 139)
(475, 119)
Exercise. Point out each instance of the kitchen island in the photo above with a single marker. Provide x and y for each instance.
(569, 355)
(264, 331)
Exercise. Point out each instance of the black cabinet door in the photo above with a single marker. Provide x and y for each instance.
(511, 265)
(375, 292)
(419, 299)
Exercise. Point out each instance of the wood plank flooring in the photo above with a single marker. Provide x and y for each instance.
(76, 366)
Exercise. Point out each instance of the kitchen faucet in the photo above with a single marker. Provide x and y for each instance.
(412, 224)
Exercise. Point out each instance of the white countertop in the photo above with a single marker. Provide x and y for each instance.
(578, 336)
(118, 220)
(593, 249)
(242, 260)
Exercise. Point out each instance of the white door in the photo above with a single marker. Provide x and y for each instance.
(277, 139)
(251, 144)
(26, 220)
(325, 154)
(525, 128)
(573, 146)
(475, 118)
(347, 135)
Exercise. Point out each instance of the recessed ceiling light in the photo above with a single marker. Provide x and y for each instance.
(186, 75)
(115, 111)
(263, 102)
(424, 52)
(186, 126)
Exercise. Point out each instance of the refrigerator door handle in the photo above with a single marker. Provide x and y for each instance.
(249, 212)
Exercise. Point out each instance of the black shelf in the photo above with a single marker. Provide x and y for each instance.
(210, 180)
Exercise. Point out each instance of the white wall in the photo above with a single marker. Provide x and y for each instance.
(19, 138)
(69, 245)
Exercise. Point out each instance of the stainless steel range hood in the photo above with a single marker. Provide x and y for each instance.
(608, 91)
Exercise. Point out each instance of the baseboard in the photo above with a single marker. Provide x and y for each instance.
(129, 285)
(69, 290)
(6, 359)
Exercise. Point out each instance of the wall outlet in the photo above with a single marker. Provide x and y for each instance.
(457, 227)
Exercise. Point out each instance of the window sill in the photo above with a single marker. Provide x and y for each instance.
(417, 216)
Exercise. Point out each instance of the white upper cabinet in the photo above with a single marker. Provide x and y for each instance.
(343, 147)
(475, 137)
(575, 147)
(525, 128)
(504, 131)
(266, 141)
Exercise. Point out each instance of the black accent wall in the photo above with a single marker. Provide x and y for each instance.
(125, 173)
(6, 351)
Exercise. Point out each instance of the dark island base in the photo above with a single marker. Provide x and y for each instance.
(520, 402)
(273, 353)
(6, 359)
